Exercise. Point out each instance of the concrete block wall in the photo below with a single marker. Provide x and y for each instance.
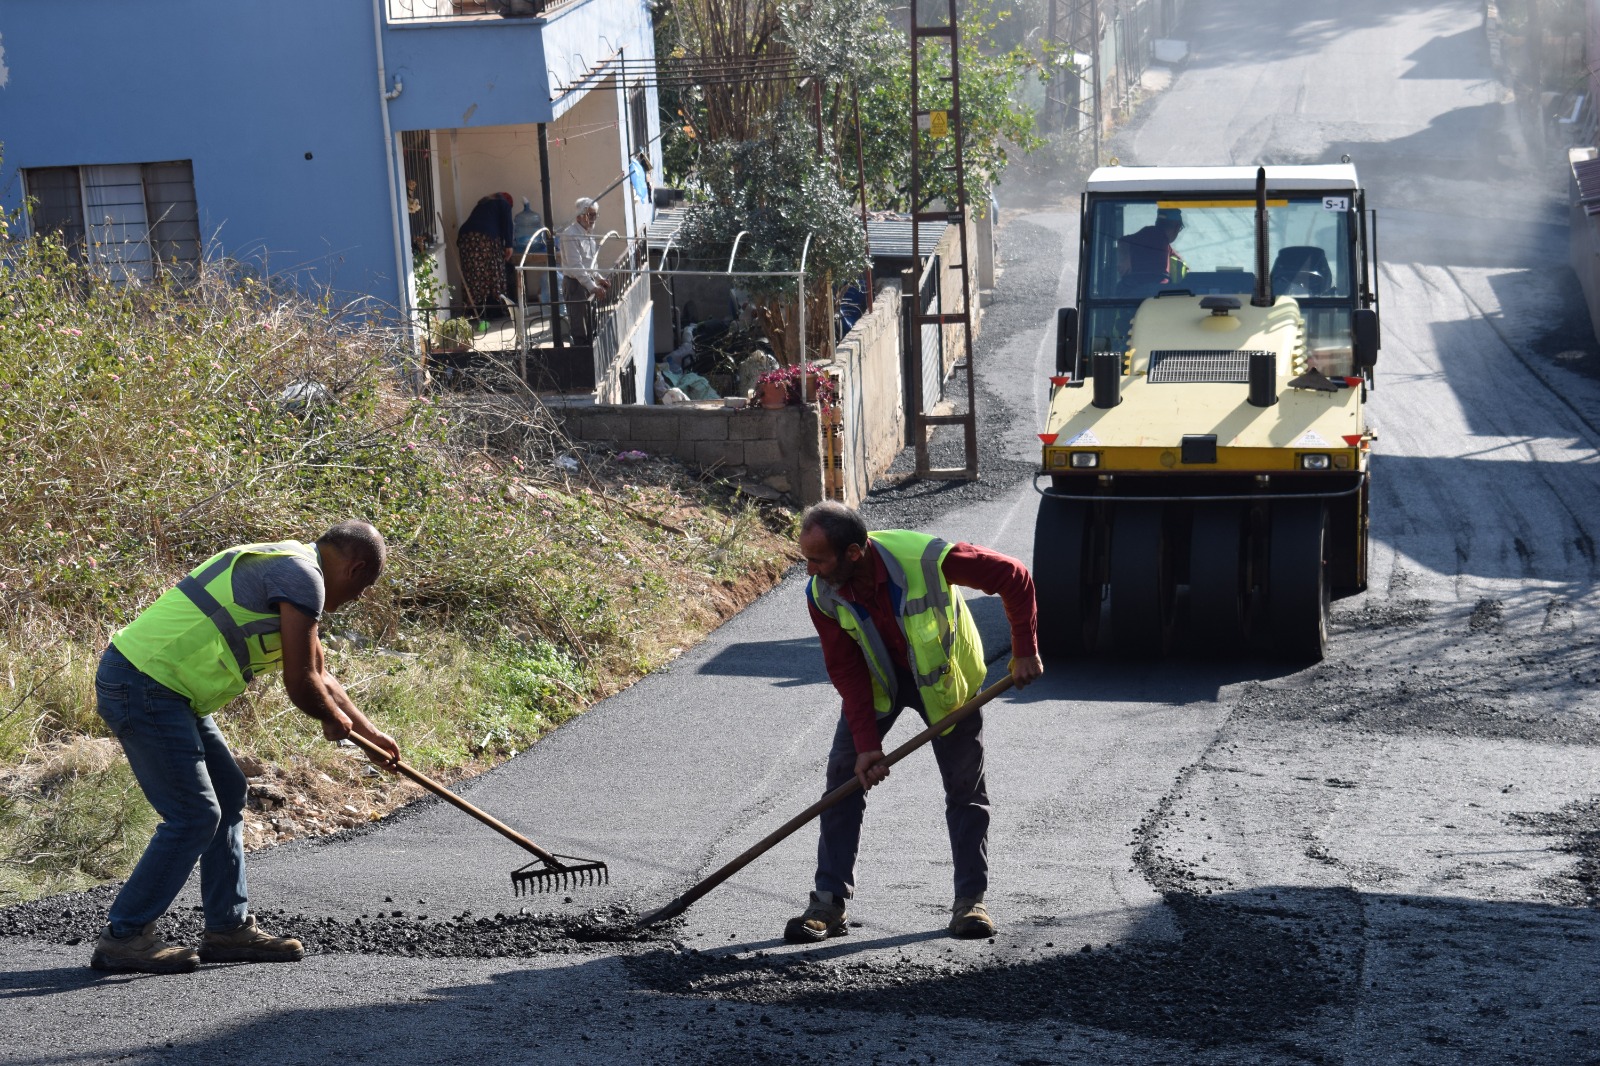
(869, 367)
(778, 449)
(950, 289)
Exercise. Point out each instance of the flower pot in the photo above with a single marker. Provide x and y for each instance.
(772, 394)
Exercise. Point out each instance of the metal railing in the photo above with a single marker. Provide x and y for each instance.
(543, 316)
(534, 339)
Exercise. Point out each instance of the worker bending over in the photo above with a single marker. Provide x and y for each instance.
(247, 611)
(896, 634)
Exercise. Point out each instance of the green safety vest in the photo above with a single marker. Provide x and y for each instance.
(942, 642)
(198, 642)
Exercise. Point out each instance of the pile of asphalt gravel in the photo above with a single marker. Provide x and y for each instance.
(1239, 973)
(1577, 826)
(78, 918)
(1465, 677)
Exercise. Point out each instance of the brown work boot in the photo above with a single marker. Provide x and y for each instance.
(143, 952)
(248, 943)
(825, 917)
(969, 919)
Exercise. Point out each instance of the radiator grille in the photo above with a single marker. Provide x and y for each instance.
(1174, 367)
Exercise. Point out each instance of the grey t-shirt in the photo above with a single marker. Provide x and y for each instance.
(261, 582)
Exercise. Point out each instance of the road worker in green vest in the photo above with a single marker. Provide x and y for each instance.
(896, 633)
(250, 610)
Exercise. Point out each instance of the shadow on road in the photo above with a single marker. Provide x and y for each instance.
(1246, 32)
(786, 663)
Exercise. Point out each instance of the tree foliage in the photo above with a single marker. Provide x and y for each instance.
(785, 198)
(994, 125)
(849, 50)
(769, 98)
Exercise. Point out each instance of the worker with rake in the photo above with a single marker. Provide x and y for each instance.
(249, 610)
(895, 634)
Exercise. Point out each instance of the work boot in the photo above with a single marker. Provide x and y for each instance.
(825, 917)
(248, 943)
(143, 952)
(969, 919)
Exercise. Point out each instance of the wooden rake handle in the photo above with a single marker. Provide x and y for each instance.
(381, 757)
(683, 902)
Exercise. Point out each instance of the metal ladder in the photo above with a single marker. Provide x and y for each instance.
(942, 124)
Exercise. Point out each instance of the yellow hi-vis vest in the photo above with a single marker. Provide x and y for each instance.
(942, 642)
(198, 642)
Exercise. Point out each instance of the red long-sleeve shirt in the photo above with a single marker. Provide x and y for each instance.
(967, 565)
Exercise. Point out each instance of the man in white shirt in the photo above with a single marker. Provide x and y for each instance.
(582, 286)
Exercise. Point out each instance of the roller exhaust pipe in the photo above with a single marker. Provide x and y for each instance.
(1263, 379)
(1107, 367)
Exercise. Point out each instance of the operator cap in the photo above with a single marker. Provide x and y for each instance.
(1169, 214)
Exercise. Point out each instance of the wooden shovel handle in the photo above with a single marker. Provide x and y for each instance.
(739, 862)
(381, 757)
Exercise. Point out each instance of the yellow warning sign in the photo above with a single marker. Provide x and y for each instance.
(939, 123)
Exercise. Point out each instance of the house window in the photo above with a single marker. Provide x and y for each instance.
(416, 147)
(127, 218)
(638, 121)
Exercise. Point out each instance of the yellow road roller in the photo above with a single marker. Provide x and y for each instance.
(1205, 461)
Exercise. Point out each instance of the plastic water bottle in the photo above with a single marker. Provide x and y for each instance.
(524, 226)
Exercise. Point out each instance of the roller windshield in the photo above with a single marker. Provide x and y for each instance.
(1140, 248)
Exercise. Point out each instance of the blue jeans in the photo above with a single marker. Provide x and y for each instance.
(966, 803)
(189, 776)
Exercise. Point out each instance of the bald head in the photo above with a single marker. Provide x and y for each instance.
(358, 541)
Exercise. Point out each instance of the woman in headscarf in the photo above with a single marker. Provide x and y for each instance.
(483, 245)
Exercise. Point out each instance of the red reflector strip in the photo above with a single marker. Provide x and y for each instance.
(1353, 439)
(1060, 379)
(1049, 438)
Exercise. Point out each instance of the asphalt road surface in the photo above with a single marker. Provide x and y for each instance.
(1388, 858)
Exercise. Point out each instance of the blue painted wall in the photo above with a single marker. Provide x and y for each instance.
(249, 89)
(245, 89)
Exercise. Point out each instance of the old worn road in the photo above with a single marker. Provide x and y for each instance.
(1389, 858)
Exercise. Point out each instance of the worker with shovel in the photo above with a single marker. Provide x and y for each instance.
(249, 610)
(896, 634)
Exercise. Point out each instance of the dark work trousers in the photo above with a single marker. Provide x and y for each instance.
(580, 310)
(966, 802)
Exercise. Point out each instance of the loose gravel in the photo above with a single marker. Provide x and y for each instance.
(401, 930)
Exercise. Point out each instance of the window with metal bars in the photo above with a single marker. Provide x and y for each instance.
(128, 218)
(422, 203)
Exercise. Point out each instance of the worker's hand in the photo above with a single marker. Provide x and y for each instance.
(1025, 671)
(336, 727)
(870, 769)
(384, 741)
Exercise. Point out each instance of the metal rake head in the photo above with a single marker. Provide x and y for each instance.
(540, 876)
